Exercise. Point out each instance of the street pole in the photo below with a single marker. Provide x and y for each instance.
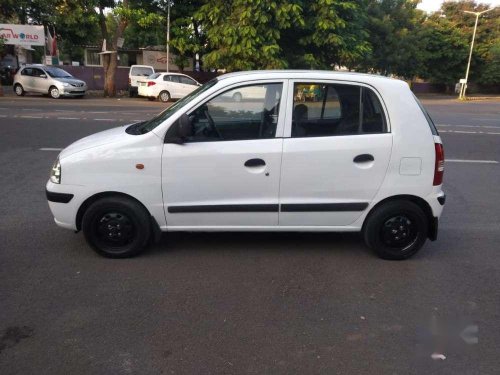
(463, 88)
(168, 35)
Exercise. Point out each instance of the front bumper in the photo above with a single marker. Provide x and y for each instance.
(73, 91)
(58, 197)
(64, 201)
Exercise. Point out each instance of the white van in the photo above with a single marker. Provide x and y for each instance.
(135, 74)
(360, 155)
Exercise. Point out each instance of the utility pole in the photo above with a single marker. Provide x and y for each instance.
(168, 35)
(463, 86)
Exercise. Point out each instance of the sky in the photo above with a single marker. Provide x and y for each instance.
(433, 5)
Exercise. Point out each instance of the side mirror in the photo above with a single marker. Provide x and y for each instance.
(42, 76)
(182, 129)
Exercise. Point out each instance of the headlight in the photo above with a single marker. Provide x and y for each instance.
(65, 84)
(55, 173)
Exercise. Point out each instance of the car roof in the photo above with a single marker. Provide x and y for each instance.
(310, 74)
(173, 74)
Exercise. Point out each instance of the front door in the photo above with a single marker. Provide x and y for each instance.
(227, 173)
(335, 154)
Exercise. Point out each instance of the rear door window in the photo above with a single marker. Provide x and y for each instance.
(322, 110)
(187, 81)
(27, 72)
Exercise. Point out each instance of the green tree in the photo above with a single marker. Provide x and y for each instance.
(332, 34)
(245, 34)
(444, 51)
(393, 27)
(487, 36)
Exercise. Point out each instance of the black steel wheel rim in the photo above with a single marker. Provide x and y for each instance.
(399, 232)
(114, 230)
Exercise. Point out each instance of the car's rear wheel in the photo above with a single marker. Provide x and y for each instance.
(396, 230)
(54, 92)
(18, 89)
(164, 96)
(117, 227)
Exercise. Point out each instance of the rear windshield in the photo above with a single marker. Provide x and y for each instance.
(141, 71)
(154, 76)
(427, 117)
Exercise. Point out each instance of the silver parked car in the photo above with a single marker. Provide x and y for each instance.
(48, 80)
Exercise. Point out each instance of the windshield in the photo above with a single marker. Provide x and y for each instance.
(141, 71)
(149, 125)
(58, 73)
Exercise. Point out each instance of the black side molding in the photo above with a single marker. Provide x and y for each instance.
(301, 207)
(224, 208)
(58, 197)
(324, 207)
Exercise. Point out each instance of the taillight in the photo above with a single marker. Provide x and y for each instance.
(129, 81)
(439, 166)
(150, 83)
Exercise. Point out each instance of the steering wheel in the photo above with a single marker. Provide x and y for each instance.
(211, 122)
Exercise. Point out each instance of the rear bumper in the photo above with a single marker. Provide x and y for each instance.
(436, 202)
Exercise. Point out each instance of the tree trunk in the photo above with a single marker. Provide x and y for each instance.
(111, 60)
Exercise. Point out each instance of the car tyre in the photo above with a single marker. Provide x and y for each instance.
(117, 227)
(396, 230)
(164, 96)
(18, 89)
(54, 92)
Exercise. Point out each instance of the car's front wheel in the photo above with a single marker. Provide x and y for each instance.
(117, 227)
(18, 89)
(396, 230)
(54, 92)
(164, 96)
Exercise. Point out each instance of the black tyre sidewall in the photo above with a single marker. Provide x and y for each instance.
(136, 213)
(378, 217)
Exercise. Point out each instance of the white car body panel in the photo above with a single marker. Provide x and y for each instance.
(176, 90)
(302, 170)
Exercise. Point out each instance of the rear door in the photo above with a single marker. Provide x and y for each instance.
(227, 174)
(176, 88)
(188, 84)
(40, 81)
(336, 152)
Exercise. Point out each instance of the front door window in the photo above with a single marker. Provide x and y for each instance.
(248, 112)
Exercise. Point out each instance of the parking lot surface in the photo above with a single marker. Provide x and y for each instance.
(245, 303)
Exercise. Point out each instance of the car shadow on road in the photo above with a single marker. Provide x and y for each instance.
(270, 242)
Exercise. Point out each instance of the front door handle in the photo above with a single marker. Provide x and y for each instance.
(255, 163)
(363, 158)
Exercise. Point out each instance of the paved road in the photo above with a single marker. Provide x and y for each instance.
(244, 303)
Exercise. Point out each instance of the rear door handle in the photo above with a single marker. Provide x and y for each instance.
(255, 163)
(363, 158)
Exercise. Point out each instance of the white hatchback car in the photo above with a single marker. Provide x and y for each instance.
(361, 154)
(166, 86)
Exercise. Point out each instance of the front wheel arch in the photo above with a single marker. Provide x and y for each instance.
(88, 202)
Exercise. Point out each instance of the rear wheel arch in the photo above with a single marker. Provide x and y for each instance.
(426, 208)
